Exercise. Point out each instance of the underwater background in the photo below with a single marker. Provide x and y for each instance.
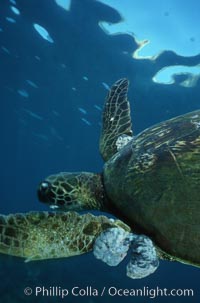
(56, 66)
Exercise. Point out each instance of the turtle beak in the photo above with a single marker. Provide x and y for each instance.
(44, 192)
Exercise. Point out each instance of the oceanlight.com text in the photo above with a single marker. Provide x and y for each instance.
(111, 291)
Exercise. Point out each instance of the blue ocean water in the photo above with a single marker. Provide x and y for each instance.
(56, 66)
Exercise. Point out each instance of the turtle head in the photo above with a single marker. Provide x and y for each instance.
(72, 191)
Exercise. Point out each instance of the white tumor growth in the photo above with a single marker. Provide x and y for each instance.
(144, 260)
(113, 244)
(122, 141)
(196, 124)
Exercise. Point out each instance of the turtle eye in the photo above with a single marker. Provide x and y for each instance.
(44, 191)
(44, 186)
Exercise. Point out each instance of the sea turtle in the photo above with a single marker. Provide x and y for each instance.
(150, 181)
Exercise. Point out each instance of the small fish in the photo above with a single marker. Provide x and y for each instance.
(31, 83)
(98, 107)
(74, 88)
(5, 49)
(43, 32)
(15, 10)
(63, 65)
(55, 113)
(105, 85)
(55, 134)
(82, 110)
(1, 30)
(38, 58)
(41, 136)
(86, 121)
(23, 93)
(85, 78)
(13, 2)
(32, 114)
(11, 20)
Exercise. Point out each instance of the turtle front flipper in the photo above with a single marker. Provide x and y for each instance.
(116, 119)
(47, 235)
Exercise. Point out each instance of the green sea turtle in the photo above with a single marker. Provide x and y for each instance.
(149, 181)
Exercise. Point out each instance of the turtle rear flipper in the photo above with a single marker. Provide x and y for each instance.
(116, 119)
